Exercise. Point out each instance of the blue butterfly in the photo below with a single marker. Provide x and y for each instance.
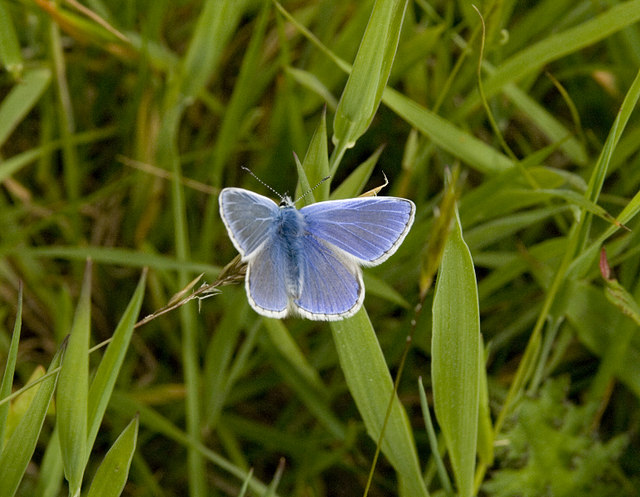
(307, 262)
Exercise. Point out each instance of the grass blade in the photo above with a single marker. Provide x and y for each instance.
(455, 361)
(21, 99)
(10, 54)
(72, 393)
(107, 373)
(370, 384)
(536, 56)
(361, 96)
(9, 368)
(113, 472)
(19, 448)
(316, 166)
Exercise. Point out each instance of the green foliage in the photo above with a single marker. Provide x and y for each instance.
(120, 122)
(549, 449)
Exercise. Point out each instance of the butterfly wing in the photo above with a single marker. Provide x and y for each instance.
(249, 219)
(332, 285)
(368, 228)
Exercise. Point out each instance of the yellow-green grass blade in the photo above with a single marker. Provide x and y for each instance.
(370, 385)
(107, 372)
(72, 391)
(51, 470)
(10, 367)
(455, 364)
(112, 474)
(21, 99)
(371, 68)
(18, 450)
(10, 54)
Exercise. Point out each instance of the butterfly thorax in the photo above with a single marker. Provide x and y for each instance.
(291, 230)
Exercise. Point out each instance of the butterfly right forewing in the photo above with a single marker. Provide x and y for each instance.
(368, 228)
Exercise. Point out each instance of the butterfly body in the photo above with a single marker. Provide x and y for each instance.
(307, 262)
(290, 230)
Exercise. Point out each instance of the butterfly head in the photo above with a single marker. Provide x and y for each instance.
(285, 201)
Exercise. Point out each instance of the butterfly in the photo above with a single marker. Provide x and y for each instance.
(306, 261)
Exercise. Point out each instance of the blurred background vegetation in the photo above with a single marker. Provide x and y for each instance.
(121, 120)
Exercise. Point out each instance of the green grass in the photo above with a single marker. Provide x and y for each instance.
(518, 144)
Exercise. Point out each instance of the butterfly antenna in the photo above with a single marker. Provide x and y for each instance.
(262, 182)
(316, 186)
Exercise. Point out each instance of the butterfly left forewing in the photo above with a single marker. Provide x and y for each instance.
(248, 217)
(369, 229)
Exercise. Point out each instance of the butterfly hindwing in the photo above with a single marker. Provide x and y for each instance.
(331, 280)
(265, 281)
(368, 228)
(249, 218)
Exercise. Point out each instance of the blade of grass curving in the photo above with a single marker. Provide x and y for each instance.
(497, 229)
(556, 46)
(371, 68)
(107, 372)
(15, 163)
(311, 82)
(72, 391)
(10, 367)
(118, 257)
(112, 474)
(18, 450)
(455, 364)
(370, 384)
(466, 147)
(21, 99)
